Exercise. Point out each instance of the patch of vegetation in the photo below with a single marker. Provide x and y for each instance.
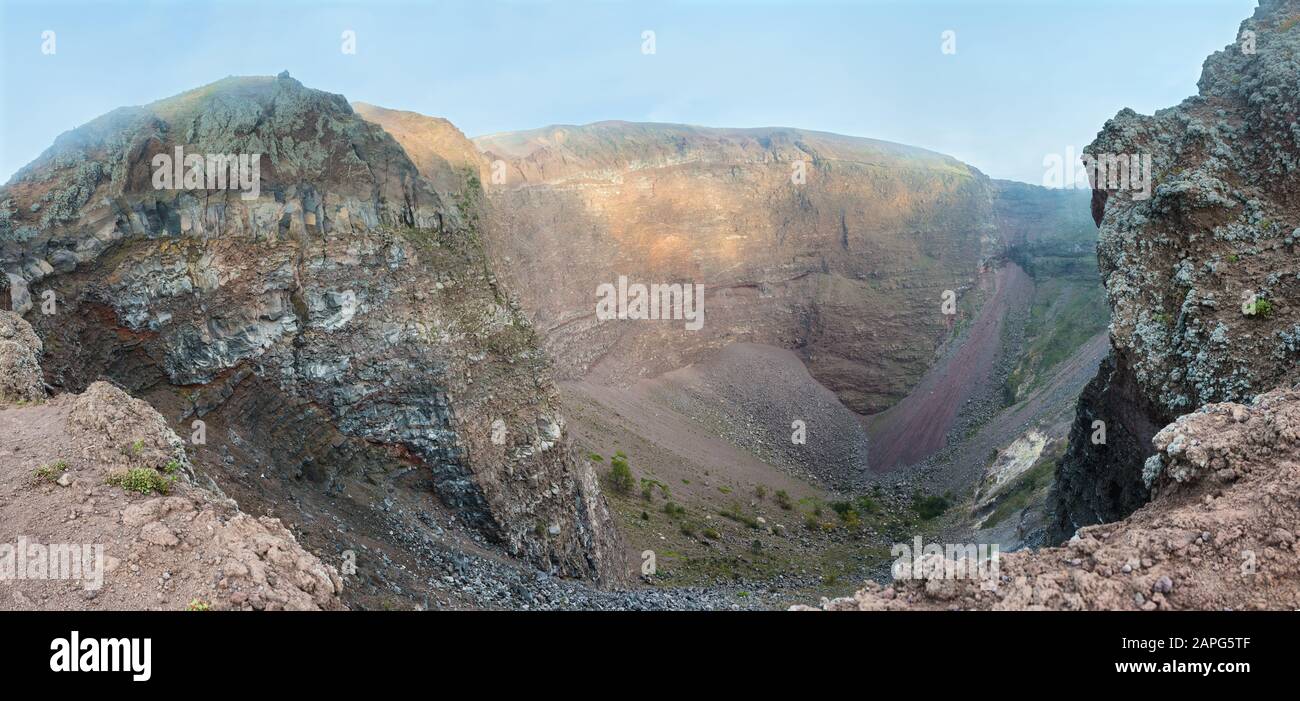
(735, 514)
(648, 485)
(864, 505)
(783, 500)
(724, 489)
(620, 475)
(674, 510)
(761, 492)
(133, 450)
(198, 605)
(595, 457)
(929, 507)
(1018, 495)
(1067, 310)
(51, 472)
(144, 480)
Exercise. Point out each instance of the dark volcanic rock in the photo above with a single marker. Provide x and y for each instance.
(1096, 478)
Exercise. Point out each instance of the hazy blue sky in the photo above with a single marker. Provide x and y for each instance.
(1028, 78)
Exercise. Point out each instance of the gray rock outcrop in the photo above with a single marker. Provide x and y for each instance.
(1201, 275)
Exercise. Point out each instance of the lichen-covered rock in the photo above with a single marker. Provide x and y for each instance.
(20, 369)
(1201, 274)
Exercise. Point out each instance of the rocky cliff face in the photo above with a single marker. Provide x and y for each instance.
(339, 328)
(1201, 276)
(439, 150)
(837, 247)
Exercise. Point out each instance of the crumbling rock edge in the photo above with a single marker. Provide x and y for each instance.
(188, 548)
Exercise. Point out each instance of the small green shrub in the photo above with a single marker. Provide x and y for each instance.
(735, 514)
(144, 480)
(783, 500)
(928, 507)
(647, 488)
(620, 475)
(51, 472)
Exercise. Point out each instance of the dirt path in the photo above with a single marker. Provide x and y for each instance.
(918, 426)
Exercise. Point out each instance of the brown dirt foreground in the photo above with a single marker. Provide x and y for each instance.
(1220, 532)
(189, 548)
